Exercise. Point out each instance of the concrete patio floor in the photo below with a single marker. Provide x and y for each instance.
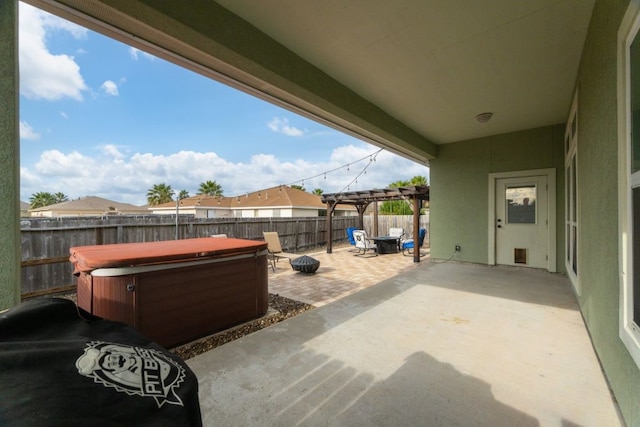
(445, 344)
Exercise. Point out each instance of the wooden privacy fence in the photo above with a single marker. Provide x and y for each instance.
(385, 222)
(46, 241)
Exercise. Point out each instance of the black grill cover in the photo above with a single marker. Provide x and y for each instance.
(60, 366)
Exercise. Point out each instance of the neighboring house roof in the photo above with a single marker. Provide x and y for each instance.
(282, 196)
(274, 197)
(92, 204)
(198, 201)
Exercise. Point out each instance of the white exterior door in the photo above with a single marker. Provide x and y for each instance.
(521, 221)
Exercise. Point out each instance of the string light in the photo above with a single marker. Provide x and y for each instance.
(371, 157)
(363, 171)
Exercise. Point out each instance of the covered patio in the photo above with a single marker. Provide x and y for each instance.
(435, 344)
(491, 95)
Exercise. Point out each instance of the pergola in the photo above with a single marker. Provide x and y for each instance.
(362, 199)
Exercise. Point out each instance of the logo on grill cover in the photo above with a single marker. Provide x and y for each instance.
(133, 370)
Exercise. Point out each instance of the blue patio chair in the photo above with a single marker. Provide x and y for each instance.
(352, 240)
(409, 246)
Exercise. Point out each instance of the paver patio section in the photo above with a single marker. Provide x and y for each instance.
(341, 273)
(445, 344)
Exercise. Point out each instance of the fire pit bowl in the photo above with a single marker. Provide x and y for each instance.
(305, 264)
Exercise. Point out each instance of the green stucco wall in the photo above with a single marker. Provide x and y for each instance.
(459, 192)
(9, 157)
(598, 204)
(459, 197)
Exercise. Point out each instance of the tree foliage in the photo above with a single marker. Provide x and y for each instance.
(318, 191)
(298, 187)
(183, 194)
(418, 180)
(210, 188)
(401, 207)
(159, 194)
(60, 197)
(44, 198)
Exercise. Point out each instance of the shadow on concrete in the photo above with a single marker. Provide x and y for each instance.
(425, 391)
(325, 391)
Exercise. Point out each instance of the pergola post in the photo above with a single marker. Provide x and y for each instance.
(416, 229)
(375, 218)
(331, 206)
(361, 208)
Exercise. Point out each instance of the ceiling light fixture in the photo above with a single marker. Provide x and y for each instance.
(484, 117)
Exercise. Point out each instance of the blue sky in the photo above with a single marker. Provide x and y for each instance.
(99, 118)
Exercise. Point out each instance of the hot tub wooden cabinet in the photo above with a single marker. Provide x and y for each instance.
(174, 291)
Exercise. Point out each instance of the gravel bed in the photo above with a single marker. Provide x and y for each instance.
(280, 308)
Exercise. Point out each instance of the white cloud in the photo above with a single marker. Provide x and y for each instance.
(27, 132)
(281, 125)
(125, 177)
(55, 164)
(110, 88)
(43, 74)
(135, 53)
(64, 115)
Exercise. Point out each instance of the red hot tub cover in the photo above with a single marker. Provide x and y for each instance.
(88, 258)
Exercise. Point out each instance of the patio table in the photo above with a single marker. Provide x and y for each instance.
(386, 244)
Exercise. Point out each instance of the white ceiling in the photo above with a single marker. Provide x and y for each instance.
(435, 64)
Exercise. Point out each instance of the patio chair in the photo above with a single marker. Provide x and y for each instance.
(352, 240)
(363, 243)
(409, 246)
(275, 249)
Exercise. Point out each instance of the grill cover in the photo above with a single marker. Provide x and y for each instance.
(61, 366)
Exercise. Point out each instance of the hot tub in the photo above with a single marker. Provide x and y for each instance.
(174, 291)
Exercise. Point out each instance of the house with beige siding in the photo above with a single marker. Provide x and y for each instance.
(277, 202)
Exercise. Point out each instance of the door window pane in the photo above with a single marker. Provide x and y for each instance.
(521, 204)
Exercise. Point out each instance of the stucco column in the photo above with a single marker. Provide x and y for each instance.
(9, 157)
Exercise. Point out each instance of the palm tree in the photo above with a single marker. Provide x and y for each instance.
(210, 188)
(418, 180)
(298, 187)
(318, 191)
(60, 197)
(41, 199)
(183, 194)
(160, 193)
(396, 207)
